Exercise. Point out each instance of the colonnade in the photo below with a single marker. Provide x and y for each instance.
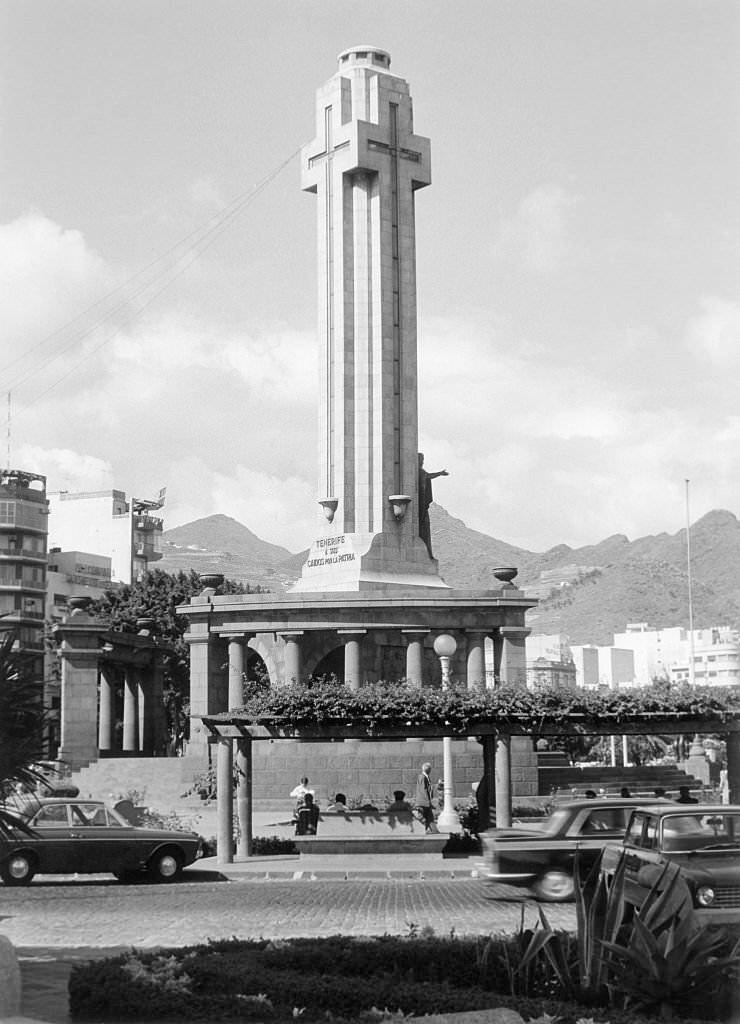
(509, 657)
(95, 660)
(143, 710)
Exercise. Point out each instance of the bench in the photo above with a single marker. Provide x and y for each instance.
(369, 830)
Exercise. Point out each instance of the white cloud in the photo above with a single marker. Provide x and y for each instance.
(206, 192)
(48, 275)
(715, 332)
(542, 446)
(65, 469)
(536, 235)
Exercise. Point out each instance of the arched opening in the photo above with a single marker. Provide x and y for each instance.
(331, 665)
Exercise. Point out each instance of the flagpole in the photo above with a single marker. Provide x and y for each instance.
(692, 677)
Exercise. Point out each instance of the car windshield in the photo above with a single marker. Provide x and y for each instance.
(716, 830)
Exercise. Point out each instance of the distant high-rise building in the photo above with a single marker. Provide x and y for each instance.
(24, 518)
(107, 523)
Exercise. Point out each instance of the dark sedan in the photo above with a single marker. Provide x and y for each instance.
(703, 840)
(75, 836)
(542, 856)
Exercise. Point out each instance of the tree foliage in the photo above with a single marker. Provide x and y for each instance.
(22, 722)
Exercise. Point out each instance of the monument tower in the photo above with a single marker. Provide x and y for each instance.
(364, 167)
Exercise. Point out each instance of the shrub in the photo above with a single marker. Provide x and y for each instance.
(341, 978)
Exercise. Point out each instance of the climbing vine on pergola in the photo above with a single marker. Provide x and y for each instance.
(378, 706)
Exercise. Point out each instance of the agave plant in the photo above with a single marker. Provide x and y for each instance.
(669, 959)
(22, 720)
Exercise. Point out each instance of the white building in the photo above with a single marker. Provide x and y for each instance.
(106, 523)
(664, 653)
(603, 666)
(716, 661)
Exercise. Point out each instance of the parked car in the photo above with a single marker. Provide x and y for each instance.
(86, 836)
(702, 839)
(542, 856)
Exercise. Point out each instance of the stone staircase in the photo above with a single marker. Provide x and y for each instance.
(641, 780)
(160, 782)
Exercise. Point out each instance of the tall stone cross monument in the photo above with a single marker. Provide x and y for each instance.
(364, 166)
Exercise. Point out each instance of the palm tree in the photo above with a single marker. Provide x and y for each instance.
(22, 720)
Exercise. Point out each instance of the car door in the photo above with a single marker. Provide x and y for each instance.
(640, 852)
(93, 839)
(54, 844)
(595, 827)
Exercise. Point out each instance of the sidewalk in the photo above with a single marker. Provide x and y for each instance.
(356, 865)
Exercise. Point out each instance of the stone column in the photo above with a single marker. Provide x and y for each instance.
(79, 635)
(352, 656)
(157, 724)
(487, 796)
(225, 801)
(202, 700)
(498, 651)
(236, 672)
(503, 781)
(476, 659)
(130, 721)
(244, 796)
(514, 655)
(293, 667)
(106, 707)
(142, 710)
(415, 655)
(733, 766)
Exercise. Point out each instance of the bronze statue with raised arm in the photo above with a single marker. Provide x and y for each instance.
(425, 500)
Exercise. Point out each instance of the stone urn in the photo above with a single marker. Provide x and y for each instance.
(506, 574)
(211, 580)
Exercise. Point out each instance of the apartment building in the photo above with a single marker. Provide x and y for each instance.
(24, 517)
(107, 523)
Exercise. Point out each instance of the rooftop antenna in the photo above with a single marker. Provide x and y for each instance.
(9, 418)
(692, 678)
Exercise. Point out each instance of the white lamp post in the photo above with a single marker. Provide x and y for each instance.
(448, 821)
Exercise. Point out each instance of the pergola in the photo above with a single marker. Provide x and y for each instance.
(239, 729)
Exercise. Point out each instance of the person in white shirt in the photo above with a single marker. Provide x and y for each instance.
(298, 792)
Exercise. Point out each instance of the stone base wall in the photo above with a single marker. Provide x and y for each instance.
(374, 770)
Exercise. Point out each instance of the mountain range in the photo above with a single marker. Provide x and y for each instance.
(588, 593)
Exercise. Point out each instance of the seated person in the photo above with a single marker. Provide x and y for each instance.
(306, 816)
(339, 804)
(400, 803)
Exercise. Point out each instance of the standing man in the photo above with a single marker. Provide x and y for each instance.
(425, 500)
(423, 796)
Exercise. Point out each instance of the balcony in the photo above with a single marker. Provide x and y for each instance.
(11, 583)
(142, 522)
(27, 554)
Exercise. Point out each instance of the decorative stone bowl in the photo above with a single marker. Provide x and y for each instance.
(506, 574)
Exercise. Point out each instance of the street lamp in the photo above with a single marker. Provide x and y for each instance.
(448, 821)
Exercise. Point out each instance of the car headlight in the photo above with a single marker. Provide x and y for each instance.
(705, 895)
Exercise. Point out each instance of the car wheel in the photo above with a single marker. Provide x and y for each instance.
(554, 887)
(165, 866)
(18, 869)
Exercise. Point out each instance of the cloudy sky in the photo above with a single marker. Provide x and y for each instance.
(578, 254)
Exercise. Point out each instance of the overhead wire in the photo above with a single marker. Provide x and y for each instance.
(203, 237)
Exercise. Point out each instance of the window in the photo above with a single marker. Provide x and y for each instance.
(51, 816)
